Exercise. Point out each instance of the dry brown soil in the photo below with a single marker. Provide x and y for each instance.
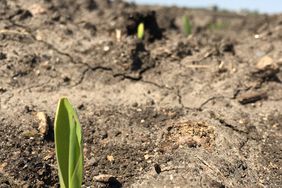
(203, 110)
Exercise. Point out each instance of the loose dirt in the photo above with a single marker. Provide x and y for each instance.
(203, 110)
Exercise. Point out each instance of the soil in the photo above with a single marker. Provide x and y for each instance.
(171, 110)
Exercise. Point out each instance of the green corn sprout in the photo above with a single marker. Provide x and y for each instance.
(68, 144)
(187, 27)
(140, 31)
(218, 25)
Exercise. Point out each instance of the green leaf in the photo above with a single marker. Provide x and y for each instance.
(69, 145)
(218, 25)
(140, 31)
(187, 27)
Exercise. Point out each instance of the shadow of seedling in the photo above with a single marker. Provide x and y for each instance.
(136, 56)
(113, 183)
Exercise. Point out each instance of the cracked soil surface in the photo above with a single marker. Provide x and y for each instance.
(166, 111)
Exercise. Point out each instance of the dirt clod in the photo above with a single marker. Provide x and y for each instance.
(152, 30)
(43, 126)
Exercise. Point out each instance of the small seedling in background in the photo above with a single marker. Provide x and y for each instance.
(68, 144)
(187, 27)
(140, 31)
(217, 25)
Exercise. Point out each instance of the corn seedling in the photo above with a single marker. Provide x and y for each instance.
(140, 31)
(68, 144)
(187, 27)
(218, 25)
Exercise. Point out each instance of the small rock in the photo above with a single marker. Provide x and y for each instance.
(36, 9)
(2, 56)
(227, 47)
(251, 97)
(37, 72)
(24, 14)
(92, 162)
(279, 62)
(192, 143)
(157, 168)
(117, 133)
(118, 35)
(2, 90)
(103, 178)
(81, 107)
(147, 156)
(106, 48)
(266, 63)
(43, 123)
(266, 69)
(2, 166)
(48, 156)
(104, 134)
(222, 67)
(135, 104)
(66, 79)
(110, 158)
(28, 109)
(89, 5)
(40, 183)
(45, 65)
(257, 36)
(29, 133)
(91, 28)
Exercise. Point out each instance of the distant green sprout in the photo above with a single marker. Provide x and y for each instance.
(140, 31)
(187, 27)
(69, 145)
(218, 25)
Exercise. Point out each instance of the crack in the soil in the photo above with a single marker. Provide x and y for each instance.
(211, 167)
(179, 96)
(82, 77)
(123, 75)
(224, 123)
(11, 95)
(72, 60)
(155, 84)
(244, 143)
(127, 77)
(208, 100)
(50, 46)
(200, 108)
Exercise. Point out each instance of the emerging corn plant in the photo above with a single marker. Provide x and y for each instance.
(217, 25)
(140, 31)
(69, 145)
(187, 27)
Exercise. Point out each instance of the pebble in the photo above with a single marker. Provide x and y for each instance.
(36, 9)
(118, 35)
(2, 90)
(157, 168)
(110, 158)
(103, 134)
(147, 156)
(251, 97)
(106, 48)
(104, 178)
(265, 63)
(135, 104)
(43, 123)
